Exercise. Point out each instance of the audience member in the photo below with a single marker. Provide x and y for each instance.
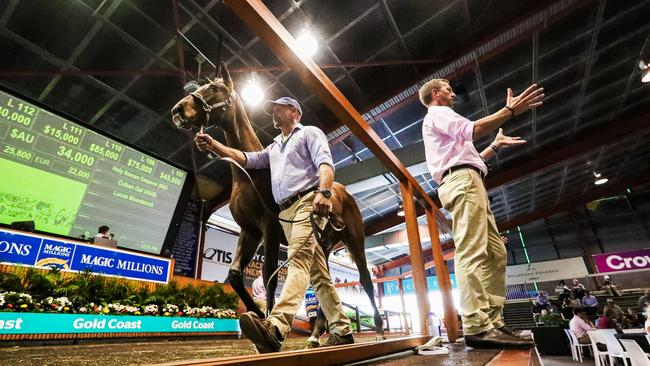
(259, 293)
(610, 286)
(542, 299)
(103, 232)
(632, 320)
(574, 301)
(562, 291)
(589, 300)
(578, 289)
(644, 300)
(549, 318)
(618, 312)
(609, 321)
(579, 325)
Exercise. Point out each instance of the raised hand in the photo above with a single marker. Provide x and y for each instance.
(502, 140)
(529, 99)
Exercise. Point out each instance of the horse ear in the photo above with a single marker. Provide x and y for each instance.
(225, 74)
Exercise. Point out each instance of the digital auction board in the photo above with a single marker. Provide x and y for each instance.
(70, 180)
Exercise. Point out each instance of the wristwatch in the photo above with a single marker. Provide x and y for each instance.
(325, 192)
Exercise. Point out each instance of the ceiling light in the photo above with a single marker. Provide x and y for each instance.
(600, 179)
(307, 44)
(645, 72)
(190, 87)
(400, 210)
(252, 93)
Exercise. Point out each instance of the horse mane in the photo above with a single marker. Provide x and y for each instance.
(244, 135)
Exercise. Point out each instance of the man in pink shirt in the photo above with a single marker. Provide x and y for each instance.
(579, 326)
(459, 169)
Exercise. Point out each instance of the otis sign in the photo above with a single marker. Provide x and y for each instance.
(623, 261)
(44, 252)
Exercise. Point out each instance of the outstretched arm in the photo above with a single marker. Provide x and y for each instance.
(500, 141)
(529, 99)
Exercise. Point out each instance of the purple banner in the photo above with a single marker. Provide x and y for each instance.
(623, 261)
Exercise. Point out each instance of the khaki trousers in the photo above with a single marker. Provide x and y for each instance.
(309, 265)
(480, 259)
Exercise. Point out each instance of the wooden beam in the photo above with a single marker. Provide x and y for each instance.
(415, 248)
(444, 283)
(266, 26)
(602, 191)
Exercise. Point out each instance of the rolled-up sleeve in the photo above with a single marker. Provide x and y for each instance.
(453, 124)
(318, 147)
(257, 159)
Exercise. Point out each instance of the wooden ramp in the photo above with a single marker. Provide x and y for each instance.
(517, 358)
(324, 356)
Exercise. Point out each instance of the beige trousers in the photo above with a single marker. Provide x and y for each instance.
(480, 258)
(309, 265)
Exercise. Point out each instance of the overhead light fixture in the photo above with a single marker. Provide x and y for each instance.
(400, 210)
(600, 179)
(645, 72)
(307, 43)
(190, 87)
(252, 92)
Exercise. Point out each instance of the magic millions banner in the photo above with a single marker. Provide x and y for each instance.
(44, 252)
(48, 323)
(623, 261)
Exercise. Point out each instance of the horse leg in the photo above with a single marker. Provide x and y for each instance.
(271, 250)
(355, 245)
(319, 329)
(246, 247)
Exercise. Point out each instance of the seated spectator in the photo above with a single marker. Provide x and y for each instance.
(579, 325)
(618, 312)
(589, 300)
(578, 289)
(535, 308)
(608, 321)
(574, 301)
(647, 325)
(550, 319)
(542, 299)
(562, 291)
(610, 286)
(644, 300)
(632, 320)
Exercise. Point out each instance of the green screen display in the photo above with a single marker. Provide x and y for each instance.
(70, 180)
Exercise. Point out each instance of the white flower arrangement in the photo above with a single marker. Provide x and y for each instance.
(59, 304)
(123, 309)
(15, 300)
(151, 309)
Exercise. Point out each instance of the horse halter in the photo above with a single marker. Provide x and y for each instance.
(208, 108)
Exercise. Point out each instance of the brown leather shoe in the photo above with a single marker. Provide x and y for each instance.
(262, 333)
(510, 332)
(337, 340)
(312, 344)
(496, 339)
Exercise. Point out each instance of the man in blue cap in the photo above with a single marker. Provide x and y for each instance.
(302, 174)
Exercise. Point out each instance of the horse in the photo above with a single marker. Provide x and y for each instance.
(217, 104)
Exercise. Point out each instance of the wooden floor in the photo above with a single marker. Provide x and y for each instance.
(146, 353)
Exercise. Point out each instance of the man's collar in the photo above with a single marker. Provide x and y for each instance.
(298, 126)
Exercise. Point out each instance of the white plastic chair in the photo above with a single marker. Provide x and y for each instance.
(600, 357)
(614, 348)
(576, 346)
(636, 354)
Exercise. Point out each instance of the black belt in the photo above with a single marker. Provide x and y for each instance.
(291, 200)
(463, 166)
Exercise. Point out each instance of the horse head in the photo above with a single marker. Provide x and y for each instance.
(212, 104)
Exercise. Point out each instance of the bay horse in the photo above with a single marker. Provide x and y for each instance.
(218, 104)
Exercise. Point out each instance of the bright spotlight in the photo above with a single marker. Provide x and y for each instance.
(400, 210)
(645, 72)
(307, 44)
(600, 179)
(252, 93)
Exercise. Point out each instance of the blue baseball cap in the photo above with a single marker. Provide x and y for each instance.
(268, 105)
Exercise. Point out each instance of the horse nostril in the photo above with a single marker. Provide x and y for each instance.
(178, 109)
